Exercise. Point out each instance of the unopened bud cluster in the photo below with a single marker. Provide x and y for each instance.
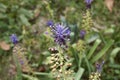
(87, 21)
(19, 56)
(95, 76)
(81, 46)
(60, 67)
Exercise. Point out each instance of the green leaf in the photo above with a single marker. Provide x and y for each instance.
(26, 12)
(109, 31)
(2, 16)
(29, 77)
(91, 37)
(3, 8)
(87, 63)
(102, 52)
(24, 20)
(79, 73)
(113, 54)
(97, 42)
(40, 73)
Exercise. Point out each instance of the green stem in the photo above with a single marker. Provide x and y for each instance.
(87, 63)
(39, 73)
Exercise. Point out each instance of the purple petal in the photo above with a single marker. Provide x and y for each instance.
(82, 33)
(14, 39)
(50, 23)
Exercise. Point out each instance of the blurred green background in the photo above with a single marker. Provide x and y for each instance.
(28, 18)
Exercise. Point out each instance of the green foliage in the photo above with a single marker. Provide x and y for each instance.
(27, 18)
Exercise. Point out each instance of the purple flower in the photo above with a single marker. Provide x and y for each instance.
(99, 67)
(60, 33)
(82, 33)
(21, 61)
(14, 38)
(88, 3)
(50, 23)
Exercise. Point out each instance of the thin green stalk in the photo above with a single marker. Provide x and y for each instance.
(80, 61)
(75, 54)
(87, 63)
(39, 73)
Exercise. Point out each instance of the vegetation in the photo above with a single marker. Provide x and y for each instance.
(59, 40)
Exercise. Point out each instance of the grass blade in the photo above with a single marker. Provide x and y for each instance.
(39, 73)
(29, 77)
(79, 73)
(114, 54)
(97, 42)
(102, 52)
(87, 63)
